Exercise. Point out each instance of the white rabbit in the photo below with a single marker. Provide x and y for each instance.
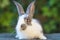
(27, 27)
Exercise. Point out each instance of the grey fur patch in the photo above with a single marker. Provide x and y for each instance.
(23, 26)
(27, 20)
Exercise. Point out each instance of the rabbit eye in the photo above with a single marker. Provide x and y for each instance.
(23, 26)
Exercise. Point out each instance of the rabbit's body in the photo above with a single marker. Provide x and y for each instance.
(32, 27)
(34, 31)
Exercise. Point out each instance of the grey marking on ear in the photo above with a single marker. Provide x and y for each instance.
(19, 8)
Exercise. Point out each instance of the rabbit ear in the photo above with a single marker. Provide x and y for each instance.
(30, 9)
(19, 8)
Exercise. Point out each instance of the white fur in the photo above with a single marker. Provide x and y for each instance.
(31, 31)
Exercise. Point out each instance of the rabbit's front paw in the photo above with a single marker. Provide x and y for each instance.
(16, 36)
(21, 38)
(42, 37)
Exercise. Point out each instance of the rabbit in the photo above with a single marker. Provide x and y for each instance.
(27, 27)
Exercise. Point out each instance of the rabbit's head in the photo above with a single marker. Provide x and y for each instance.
(25, 18)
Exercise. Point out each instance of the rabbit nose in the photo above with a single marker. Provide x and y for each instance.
(23, 26)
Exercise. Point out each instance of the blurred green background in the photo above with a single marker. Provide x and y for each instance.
(46, 11)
